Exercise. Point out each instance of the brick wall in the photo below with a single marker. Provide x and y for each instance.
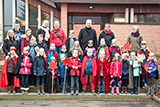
(64, 15)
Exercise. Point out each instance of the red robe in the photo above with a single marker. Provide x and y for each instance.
(94, 72)
(105, 74)
(4, 77)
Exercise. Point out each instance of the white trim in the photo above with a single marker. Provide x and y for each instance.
(127, 15)
(132, 15)
(13, 12)
(26, 15)
(39, 16)
(51, 21)
(1, 20)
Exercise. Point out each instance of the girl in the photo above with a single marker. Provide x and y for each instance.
(41, 43)
(115, 72)
(33, 47)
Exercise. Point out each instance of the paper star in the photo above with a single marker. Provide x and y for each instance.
(126, 46)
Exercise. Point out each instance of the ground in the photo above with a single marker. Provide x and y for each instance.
(81, 103)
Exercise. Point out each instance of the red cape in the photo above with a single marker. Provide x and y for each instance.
(146, 53)
(4, 77)
(54, 53)
(105, 74)
(117, 47)
(94, 72)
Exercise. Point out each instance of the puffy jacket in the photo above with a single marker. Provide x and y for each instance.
(116, 68)
(42, 45)
(135, 67)
(55, 39)
(75, 62)
(61, 70)
(125, 69)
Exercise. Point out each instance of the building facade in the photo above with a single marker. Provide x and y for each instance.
(120, 14)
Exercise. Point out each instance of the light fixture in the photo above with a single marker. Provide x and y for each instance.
(90, 7)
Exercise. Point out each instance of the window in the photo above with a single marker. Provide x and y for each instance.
(119, 18)
(135, 18)
(20, 12)
(153, 19)
(141, 18)
(44, 16)
(82, 19)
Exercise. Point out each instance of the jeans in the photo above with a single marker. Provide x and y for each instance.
(135, 84)
(74, 81)
(101, 80)
(116, 79)
(66, 83)
(58, 49)
(24, 79)
(40, 78)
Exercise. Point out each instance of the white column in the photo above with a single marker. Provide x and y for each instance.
(13, 12)
(126, 15)
(39, 16)
(51, 21)
(1, 20)
(132, 15)
(26, 15)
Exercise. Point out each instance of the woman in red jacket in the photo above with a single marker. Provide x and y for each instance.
(115, 72)
(57, 36)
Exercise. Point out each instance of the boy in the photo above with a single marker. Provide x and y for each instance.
(90, 45)
(41, 43)
(63, 51)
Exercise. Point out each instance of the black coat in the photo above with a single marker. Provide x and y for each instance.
(8, 43)
(67, 43)
(85, 35)
(108, 38)
(42, 45)
(18, 64)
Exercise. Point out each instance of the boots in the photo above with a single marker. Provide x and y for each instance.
(117, 90)
(38, 89)
(42, 89)
(9, 89)
(122, 90)
(125, 90)
(14, 90)
(112, 90)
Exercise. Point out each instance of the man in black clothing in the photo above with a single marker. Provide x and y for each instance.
(44, 30)
(87, 34)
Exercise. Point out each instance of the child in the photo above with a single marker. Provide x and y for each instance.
(33, 47)
(39, 69)
(143, 54)
(63, 51)
(102, 73)
(76, 46)
(61, 72)
(23, 67)
(70, 41)
(115, 72)
(41, 43)
(114, 49)
(51, 52)
(75, 72)
(8, 72)
(90, 45)
(125, 73)
(135, 72)
(89, 71)
(151, 69)
(103, 47)
(26, 39)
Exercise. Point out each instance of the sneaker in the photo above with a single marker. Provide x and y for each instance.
(22, 92)
(104, 92)
(83, 92)
(98, 92)
(26, 92)
(136, 93)
(77, 92)
(72, 92)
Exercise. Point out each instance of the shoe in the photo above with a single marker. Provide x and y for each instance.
(9, 89)
(132, 92)
(94, 94)
(77, 92)
(14, 92)
(104, 92)
(83, 92)
(122, 90)
(98, 92)
(22, 92)
(112, 90)
(43, 89)
(38, 89)
(125, 88)
(117, 90)
(72, 92)
(136, 93)
(26, 92)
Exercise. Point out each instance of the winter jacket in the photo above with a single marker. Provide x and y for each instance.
(125, 69)
(40, 66)
(134, 42)
(75, 62)
(108, 38)
(135, 67)
(42, 45)
(51, 53)
(116, 68)
(9, 43)
(55, 39)
(26, 70)
(67, 43)
(61, 70)
(85, 35)
(18, 35)
(32, 50)
(24, 42)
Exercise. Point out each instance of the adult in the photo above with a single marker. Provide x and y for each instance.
(57, 36)
(18, 32)
(10, 41)
(107, 34)
(86, 34)
(44, 30)
(135, 39)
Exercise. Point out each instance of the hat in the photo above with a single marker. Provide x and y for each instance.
(151, 54)
(12, 49)
(143, 42)
(90, 42)
(116, 54)
(114, 40)
(133, 53)
(52, 58)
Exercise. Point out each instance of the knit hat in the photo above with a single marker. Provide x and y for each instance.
(116, 54)
(143, 42)
(114, 40)
(133, 53)
(12, 49)
(151, 54)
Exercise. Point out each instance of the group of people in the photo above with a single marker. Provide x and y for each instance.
(95, 64)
